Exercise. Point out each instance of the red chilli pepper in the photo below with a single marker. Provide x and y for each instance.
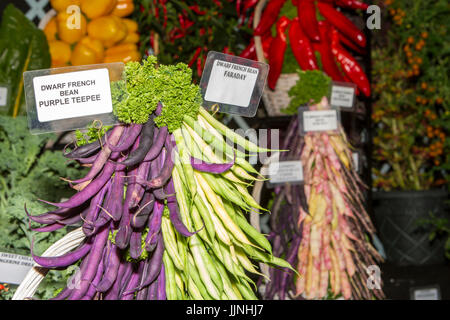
(249, 4)
(351, 68)
(301, 47)
(352, 4)
(199, 66)
(269, 16)
(250, 51)
(350, 44)
(276, 52)
(326, 57)
(307, 17)
(195, 56)
(342, 23)
(266, 42)
(197, 10)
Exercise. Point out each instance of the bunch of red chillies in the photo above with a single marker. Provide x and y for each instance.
(329, 37)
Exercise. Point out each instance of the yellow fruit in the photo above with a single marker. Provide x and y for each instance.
(97, 8)
(71, 28)
(132, 25)
(96, 46)
(51, 29)
(108, 29)
(82, 55)
(123, 8)
(59, 52)
(61, 5)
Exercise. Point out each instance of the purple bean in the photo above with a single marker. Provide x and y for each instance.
(176, 221)
(123, 272)
(140, 217)
(94, 208)
(155, 265)
(138, 190)
(204, 166)
(92, 261)
(93, 287)
(154, 226)
(146, 141)
(63, 260)
(131, 134)
(111, 270)
(135, 244)
(157, 146)
(124, 233)
(134, 281)
(63, 294)
(161, 294)
(49, 228)
(153, 290)
(89, 160)
(91, 189)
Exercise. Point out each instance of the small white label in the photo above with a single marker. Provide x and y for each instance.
(231, 83)
(72, 95)
(14, 267)
(285, 171)
(356, 160)
(320, 120)
(3, 96)
(426, 294)
(342, 96)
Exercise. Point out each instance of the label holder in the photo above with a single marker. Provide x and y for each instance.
(115, 73)
(343, 95)
(5, 95)
(291, 160)
(221, 95)
(329, 111)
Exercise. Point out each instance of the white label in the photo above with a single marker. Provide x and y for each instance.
(72, 95)
(426, 294)
(342, 96)
(14, 267)
(320, 120)
(231, 83)
(3, 96)
(356, 161)
(285, 171)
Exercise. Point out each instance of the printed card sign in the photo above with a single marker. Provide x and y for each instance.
(3, 96)
(320, 120)
(72, 95)
(426, 293)
(285, 172)
(238, 79)
(342, 94)
(14, 267)
(232, 84)
(69, 98)
(355, 156)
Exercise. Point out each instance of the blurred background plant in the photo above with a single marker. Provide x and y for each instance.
(411, 91)
(30, 169)
(184, 31)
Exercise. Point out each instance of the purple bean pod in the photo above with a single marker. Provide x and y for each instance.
(63, 260)
(161, 294)
(92, 261)
(111, 270)
(154, 226)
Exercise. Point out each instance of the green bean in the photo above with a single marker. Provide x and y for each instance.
(195, 277)
(226, 281)
(246, 292)
(253, 233)
(206, 216)
(186, 163)
(200, 225)
(223, 189)
(210, 266)
(203, 270)
(212, 140)
(170, 277)
(230, 134)
(170, 242)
